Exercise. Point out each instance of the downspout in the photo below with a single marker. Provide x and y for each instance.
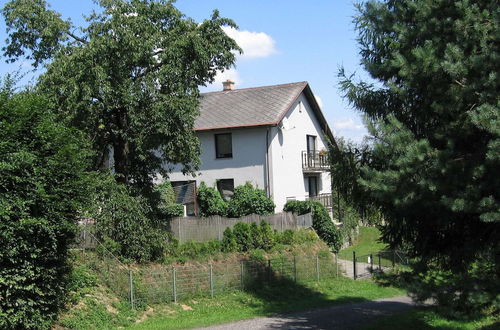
(267, 170)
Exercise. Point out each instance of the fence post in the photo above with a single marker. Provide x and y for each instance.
(379, 263)
(393, 258)
(269, 270)
(174, 284)
(211, 282)
(241, 276)
(337, 264)
(317, 268)
(354, 265)
(131, 283)
(371, 263)
(295, 268)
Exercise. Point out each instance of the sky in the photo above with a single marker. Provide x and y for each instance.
(283, 41)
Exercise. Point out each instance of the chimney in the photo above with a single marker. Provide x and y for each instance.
(228, 85)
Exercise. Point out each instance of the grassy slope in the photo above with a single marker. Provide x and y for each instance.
(366, 243)
(265, 301)
(425, 318)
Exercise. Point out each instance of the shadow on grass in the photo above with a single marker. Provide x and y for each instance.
(296, 305)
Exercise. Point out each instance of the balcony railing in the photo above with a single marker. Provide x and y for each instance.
(315, 161)
(325, 199)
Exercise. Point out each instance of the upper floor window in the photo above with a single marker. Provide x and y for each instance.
(223, 145)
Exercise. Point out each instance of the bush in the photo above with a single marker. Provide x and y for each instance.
(123, 219)
(249, 200)
(229, 243)
(210, 201)
(298, 207)
(267, 236)
(165, 201)
(43, 182)
(322, 223)
(243, 236)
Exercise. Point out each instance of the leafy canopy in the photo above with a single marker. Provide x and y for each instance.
(129, 78)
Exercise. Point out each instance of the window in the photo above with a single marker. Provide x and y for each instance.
(226, 188)
(223, 145)
(311, 143)
(313, 186)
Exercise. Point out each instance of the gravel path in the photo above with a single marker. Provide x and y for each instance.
(351, 316)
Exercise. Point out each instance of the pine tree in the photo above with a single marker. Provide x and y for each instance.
(435, 133)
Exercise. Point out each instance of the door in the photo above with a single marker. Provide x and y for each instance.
(311, 150)
(313, 186)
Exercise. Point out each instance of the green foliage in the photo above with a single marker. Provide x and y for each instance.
(229, 243)
(350, 222)
(210, 201)
(243, 236)
(258, 241)
(43, 182)
(165, 203)
(122, 222)
(434, 119)
(136, 95)
(267, 236)
(249, 200)
(298, 207)
(322, 223)
(193, 250)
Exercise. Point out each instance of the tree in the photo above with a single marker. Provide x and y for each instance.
(435, 125)
(129, 78)
(44, 181)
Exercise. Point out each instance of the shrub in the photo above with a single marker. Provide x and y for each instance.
(43, 182)
(123, 218)
(229, 243)
(165, 201)
(286, 237)
(243, 236)
(249, 200)
(256, 236)
(267, 235)
(210, 201)
(322, 223)
(298, 207)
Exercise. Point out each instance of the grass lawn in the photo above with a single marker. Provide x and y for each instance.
(366, 243)
(426, 318)
(267, 300)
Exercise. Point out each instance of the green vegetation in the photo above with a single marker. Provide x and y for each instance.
(427, 318)
(245, 201)
(322, 223)
(99, 309)
(434, 121)
(44, 181)
(368, 241)
(148, 86)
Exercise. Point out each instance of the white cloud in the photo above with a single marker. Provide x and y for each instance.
(347, 124)
(319, 100)
(254, 44)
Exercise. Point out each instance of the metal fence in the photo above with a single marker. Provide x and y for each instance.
(166, 283)
(205, 229)
(367, 264)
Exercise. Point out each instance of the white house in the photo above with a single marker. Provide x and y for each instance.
(273, 136)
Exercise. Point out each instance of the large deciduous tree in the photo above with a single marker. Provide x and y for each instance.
(129, 78)
(436, 135)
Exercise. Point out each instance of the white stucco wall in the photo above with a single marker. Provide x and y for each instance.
(287, 178)
(247, 163)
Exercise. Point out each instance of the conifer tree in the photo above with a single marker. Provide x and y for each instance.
(435, 133)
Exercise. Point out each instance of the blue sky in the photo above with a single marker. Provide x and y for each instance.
(284, 41)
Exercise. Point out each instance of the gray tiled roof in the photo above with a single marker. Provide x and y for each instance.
(247, 107)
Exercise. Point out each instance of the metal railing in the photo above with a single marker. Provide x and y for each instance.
(325, 199)
(315, 161)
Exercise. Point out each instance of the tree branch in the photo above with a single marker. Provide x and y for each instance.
(83, 41)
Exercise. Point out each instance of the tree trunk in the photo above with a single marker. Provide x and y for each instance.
(121, 149)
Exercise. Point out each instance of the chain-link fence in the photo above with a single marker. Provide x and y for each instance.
(166, 283)
(365, 265)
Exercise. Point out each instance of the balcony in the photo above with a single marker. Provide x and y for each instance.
(325, 199)
(315, 161)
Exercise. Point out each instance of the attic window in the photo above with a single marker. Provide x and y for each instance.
(223, 145)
